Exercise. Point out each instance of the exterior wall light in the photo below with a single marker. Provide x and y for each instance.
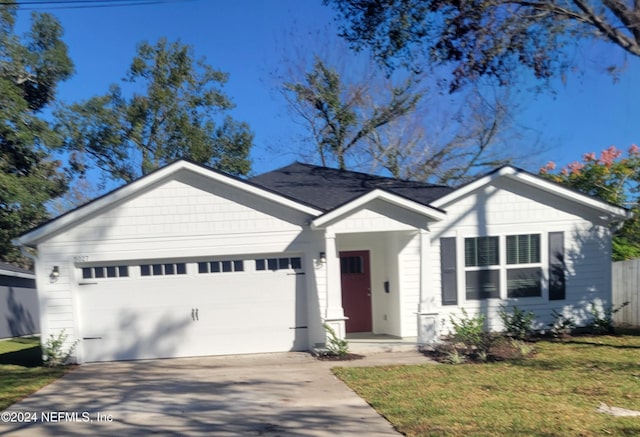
(323, 257)
(55, 272)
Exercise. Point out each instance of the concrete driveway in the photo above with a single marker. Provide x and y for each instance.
(288, 394)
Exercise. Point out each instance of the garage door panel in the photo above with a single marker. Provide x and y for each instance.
(194, 314)
(132, 334)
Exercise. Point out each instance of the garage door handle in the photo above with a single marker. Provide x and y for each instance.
(197, 314)
(194, 314)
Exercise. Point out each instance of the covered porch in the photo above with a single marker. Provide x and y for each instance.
(377, 270)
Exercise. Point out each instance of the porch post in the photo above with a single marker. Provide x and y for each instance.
(427, 299)
(427, 311)
(334, 315)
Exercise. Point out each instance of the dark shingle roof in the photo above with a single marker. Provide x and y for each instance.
(12, 268)
(328, 188)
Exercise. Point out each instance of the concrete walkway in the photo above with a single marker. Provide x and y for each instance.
(288, 394)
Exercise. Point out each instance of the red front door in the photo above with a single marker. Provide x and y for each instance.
(356, 290)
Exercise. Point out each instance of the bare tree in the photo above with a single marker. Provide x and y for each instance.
(358, 117)
(452, 147)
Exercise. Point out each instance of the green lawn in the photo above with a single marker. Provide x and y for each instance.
(21, 370)
(555, 393)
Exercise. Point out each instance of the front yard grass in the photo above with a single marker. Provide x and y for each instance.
(554, 393)
(21, 370)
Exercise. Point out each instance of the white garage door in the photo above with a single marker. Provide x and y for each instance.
(178, 309)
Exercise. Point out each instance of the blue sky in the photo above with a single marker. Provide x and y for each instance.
(245, 38)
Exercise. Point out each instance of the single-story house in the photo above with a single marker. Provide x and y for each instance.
(189, 261)
(19, 313)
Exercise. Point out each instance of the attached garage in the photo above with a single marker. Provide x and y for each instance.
(183, 262)
(169, 308)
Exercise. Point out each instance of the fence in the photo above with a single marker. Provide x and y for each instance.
(626, 288)
(18, 302)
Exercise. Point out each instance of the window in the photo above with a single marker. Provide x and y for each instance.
(523, 249)
(481, 251)
(278, 264)
(145, 270)
(296, 263)
(224, 266)
(482, 284)
(524, 281)
(518, 273)
(482, 281)
(100, 272)
(351, 265)
(167, 269)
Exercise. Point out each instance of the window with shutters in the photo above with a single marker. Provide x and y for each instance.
(482, 267)
(524, 280)
(510, 266)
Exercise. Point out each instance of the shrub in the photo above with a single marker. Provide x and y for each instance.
(470, 332)
(561, 325)
(53, 352)
(455, 357)
(602, 322)
(335, 345)
(518, 324)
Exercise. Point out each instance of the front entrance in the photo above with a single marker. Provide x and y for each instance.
(356, 290)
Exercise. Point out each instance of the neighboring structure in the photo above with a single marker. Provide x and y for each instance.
(189, 261)
(18, 302)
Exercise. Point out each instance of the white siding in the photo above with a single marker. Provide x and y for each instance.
(378, 216)
(367, 220)
(176, 209)
(512, 209)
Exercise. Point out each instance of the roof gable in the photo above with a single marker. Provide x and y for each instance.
(353, 206)
(149, 181)
(611, 212)
(328, 188)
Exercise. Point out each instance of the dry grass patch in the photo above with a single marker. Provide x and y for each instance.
(554, 393)
(21, 370)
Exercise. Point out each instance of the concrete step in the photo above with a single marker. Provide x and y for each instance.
(381, 344)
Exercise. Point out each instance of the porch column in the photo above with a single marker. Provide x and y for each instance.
(427, 311)
(427, 298)
(334, 315)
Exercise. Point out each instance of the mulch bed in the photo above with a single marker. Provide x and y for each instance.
(346, 357)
